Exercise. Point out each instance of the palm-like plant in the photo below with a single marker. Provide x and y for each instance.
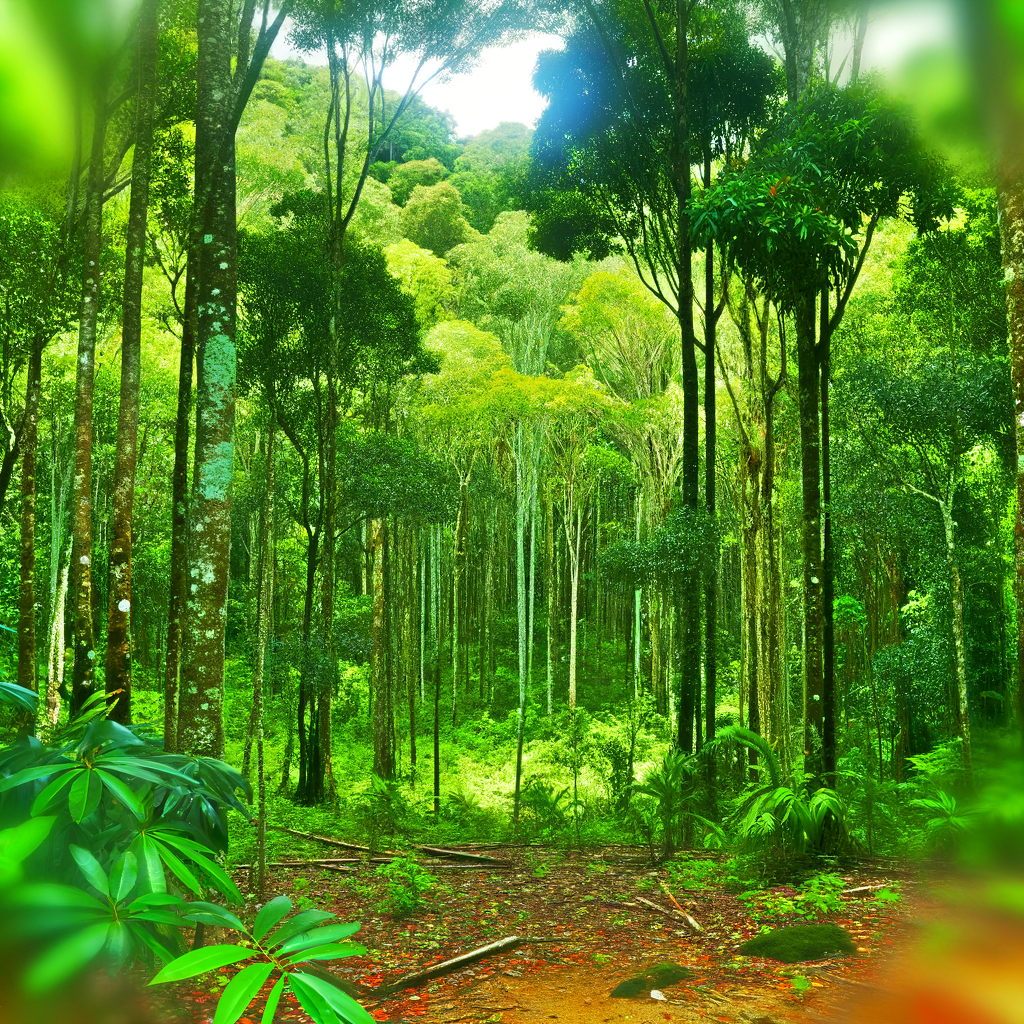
(780, 811)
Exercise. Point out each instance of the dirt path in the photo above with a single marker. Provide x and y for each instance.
(590, 910)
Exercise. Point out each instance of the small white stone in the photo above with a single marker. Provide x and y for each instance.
(84, 560)
(124, 604)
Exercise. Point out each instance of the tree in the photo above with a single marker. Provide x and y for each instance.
(119, 591)
(229, 62)
(791, 220)
(435, 218)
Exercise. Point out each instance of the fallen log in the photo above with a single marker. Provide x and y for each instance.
(324, 864)
(436, 851)
(322, 839)
(686, 919)
(418, 978)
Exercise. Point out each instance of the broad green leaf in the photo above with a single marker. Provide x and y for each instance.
(311, 1000)
(269, 915)
(39, 771)
(119, 943)
(213, 914)
(19, 696)
(299, 923)
(199, 961)
(157, 917)
(273, 999)
(147, 939)
(331, 951)
(183, 873)
(123, 876)
(18, 842)
(156, 899)
(66, 958)
(52, 790)
(151, 871)
(318, 937)
(200, 858)
(121, 792)
(240, 992)
(85, 795)
(341, 1003)
(55, 896)
(91, 869)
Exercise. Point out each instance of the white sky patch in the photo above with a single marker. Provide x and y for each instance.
(500, 87)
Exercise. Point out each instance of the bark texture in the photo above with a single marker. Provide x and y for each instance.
(119, 591)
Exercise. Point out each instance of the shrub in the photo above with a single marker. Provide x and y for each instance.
(406, 882)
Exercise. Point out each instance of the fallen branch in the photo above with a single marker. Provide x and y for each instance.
(865, 888)
(655, 906)
(321, 839)
(331, 865)
(436, 851)
(418, 978)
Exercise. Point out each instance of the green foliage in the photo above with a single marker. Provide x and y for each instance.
(781, 814)
(801, 942)
(288, 948)
(406, 177)
(406, 884)
(815, 898)
(435, 218)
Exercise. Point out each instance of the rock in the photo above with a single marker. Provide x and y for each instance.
(800, 942)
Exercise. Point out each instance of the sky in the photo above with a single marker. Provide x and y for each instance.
(499, 88)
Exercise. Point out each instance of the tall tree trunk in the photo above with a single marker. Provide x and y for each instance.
(956, 594)
(710, 479)
(522, 514)
(201, 689)
(551, 588)
(27, 590)
(828, 691)
(81, 553)
(178, 584)
(266, 587)
(119, 670)
(382, 753)
(810, 465)
(573, 537)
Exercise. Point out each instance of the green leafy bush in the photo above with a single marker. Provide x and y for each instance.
(406, 883)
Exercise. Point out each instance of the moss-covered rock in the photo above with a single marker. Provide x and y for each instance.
(800, 942)
(660, 976)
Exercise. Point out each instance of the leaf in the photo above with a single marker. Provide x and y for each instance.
(18, 842)
(51, 791)
(311, 1000)
(19, 696)
(270, 914)
(183, 874)
(123, 876)
(317, 937)
(299, 923)
(53, 895)
(85, 795)
(91, 869)
(199, 961)
(210, 913)
(39, 771)
(330, 951)
(121, 792)
(340, 1002)
(66, 958)
(151, 871)
(240, 992)
(273, 999)
(214, 873)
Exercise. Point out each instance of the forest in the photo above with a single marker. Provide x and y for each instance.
(637, 492)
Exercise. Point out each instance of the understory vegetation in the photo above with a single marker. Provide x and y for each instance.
(649, 477)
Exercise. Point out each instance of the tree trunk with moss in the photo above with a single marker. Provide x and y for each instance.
(119, 669)
(81, 550)
(27, 590)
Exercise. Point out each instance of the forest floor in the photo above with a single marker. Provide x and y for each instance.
(586, 929)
